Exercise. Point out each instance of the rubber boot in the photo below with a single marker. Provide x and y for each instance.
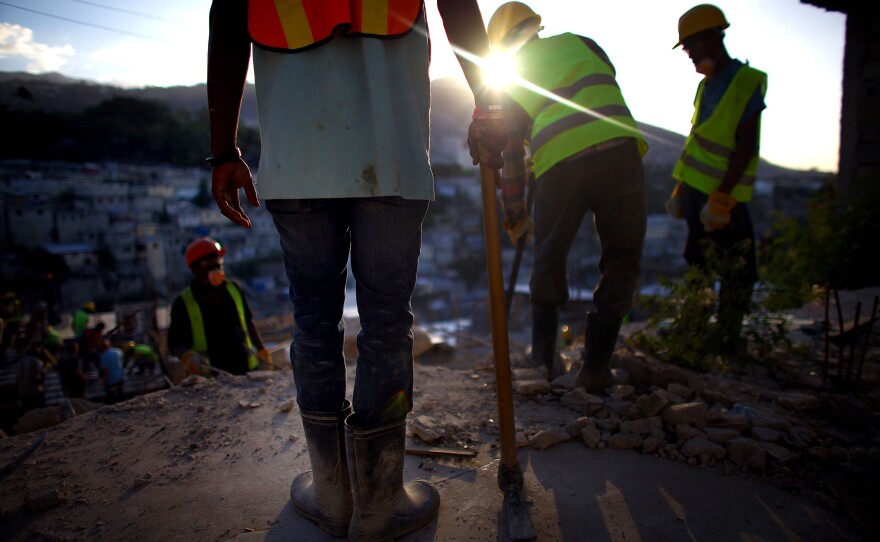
(323, 494)
(545, 325)
(384, 509)
(601, 338)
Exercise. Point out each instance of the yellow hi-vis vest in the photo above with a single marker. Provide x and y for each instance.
(586, 107)
(709, 146)
(197, 325)
(292, 25)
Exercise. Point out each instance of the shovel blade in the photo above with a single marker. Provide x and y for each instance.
(519, 525)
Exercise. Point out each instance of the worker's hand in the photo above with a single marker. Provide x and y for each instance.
(226, 180)
(517, 221)
(523, 227)
(487, 136)
(195, 364)
(264, 354)
(673, 204)
(716, 213)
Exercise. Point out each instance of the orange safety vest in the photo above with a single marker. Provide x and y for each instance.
(293, 25)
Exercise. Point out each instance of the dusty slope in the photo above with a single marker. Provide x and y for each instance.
(213, 460)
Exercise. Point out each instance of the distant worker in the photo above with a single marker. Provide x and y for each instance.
(71, 373)
(141, 357)
(211, 317)
(31, 379)
(112, 374)
(81, 319)
(88, 345)
(41, 336)
(11, 313)
(716, 171)
(587, 154)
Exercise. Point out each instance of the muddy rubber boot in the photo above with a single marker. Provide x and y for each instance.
(601, 339)
(545, 326)
(384, 509)
(323, 494)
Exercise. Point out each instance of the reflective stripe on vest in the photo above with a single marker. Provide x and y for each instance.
(586, 107)
(710, 145)
(292, 25)
(197, 325)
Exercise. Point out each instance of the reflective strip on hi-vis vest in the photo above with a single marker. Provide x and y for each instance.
(586, 107)
(293, 25)
(197, 325)
(710, 145)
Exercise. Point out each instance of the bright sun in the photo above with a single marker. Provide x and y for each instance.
(500, 70)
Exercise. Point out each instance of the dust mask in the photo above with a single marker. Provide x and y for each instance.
(706, 66)
(216, 277)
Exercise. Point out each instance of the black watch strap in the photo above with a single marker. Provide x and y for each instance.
(229, 155)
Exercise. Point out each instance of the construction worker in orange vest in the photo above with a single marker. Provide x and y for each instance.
(211, 323)
(344, 102)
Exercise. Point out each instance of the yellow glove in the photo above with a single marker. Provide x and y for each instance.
(523, 227)
(716, 213)
(673, 204)
(195, 364)
(265, 357)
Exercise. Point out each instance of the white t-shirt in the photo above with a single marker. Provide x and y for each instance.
(347, 119)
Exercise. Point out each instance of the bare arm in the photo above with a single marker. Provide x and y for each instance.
(465, 29)
(229, 51)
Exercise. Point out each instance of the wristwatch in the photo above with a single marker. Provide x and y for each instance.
(229, 155)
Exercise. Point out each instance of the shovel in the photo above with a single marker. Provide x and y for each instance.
(510, 477)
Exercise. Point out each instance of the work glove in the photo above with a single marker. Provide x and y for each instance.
(195, 364)
(524, 227)
(716, 213)
(673, 204)
(265, 358)
(487, 136)
(517, 221)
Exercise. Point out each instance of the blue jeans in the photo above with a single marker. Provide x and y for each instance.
(383, 237)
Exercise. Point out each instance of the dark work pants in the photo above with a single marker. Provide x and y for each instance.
(736, 281)
(611, 184)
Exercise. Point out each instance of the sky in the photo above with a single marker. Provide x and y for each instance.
(163, 43)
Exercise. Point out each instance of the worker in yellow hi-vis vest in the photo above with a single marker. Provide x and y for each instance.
(717, 170)
(587, 151)
(211, 322)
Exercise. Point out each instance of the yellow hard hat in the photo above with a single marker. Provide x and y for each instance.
(90, 306)
(506, 18)
(699, 18)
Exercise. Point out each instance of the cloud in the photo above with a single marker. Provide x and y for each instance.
(130, 64)
(18, 41)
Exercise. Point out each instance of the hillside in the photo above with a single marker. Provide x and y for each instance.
(451, 109)
(69, 119)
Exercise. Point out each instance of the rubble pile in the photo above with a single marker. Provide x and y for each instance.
(710, 420)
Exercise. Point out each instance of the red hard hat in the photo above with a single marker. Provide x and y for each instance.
(201, 247)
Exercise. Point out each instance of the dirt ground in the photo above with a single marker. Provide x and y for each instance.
(213, 460)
